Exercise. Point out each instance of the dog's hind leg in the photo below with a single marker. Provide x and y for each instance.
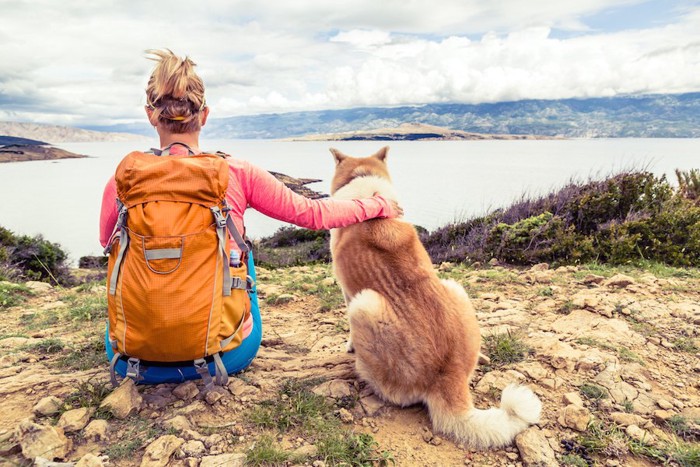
(378, 347)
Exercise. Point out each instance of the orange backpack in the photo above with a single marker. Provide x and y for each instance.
(172, 296)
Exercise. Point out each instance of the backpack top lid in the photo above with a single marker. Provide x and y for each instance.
(143, 177)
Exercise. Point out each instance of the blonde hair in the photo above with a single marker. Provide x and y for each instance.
(175, 93)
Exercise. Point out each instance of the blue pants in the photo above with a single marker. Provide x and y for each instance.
(234, 360)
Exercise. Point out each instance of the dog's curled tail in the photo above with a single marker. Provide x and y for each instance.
(491, 428)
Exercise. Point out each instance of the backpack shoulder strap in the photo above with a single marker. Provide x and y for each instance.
(166, 150)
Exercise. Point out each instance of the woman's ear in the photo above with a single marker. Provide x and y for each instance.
(203, 116)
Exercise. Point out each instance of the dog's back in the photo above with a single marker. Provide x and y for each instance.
(416, 337)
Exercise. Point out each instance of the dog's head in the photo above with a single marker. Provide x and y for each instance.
(348, 168)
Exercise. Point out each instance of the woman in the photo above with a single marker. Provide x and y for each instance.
(176, 107)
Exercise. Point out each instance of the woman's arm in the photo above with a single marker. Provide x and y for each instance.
(271, 197)
(108, 213)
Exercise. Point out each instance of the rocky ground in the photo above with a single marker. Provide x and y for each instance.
(613, 355)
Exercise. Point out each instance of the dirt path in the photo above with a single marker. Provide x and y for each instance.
(614, 359)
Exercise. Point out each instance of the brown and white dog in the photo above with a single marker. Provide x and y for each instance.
(415, 336)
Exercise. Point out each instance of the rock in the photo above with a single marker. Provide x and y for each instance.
(212, 397)
(39, 440)
(285, 298)
(38, 287)
(43, 462)
(586, 300)
(90, 460)
(626, 419)
(661, 416)
(186, 391)
(540, 277)
(639, 434)
(619, 280)
(691, 413)
(159, 451)
(494, 297)
(74, 420)
(124, 400)
(47, 406)
(572, 398)
(239, 388)
(533, 370)
(664, 404)
(372, 404)
(498, 380)
(345, 416)
(335, 389)
(436, 441)
(592, 279)
(212, 440)
(96, 430)
(224, 460)
(620, 391)
(575, 417)
(534, 449)
(193, 448)
(306, 451)
(179, 423)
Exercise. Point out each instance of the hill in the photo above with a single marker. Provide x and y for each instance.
(61, 134)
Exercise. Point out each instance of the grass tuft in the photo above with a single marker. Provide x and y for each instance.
(686, 344)
(90, 354)
(593, 392)
(265, 452)
(13, 294)
(505, 348)
(299, 411)
(48, 346)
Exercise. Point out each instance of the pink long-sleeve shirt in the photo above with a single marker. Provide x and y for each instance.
(252, 186)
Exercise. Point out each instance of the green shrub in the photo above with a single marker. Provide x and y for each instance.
(33, 258)
(630, 218)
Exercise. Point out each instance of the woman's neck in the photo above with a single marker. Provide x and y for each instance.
(190, 139)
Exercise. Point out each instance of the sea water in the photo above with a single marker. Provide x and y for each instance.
(438, 182)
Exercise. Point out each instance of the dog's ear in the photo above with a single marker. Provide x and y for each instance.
(381, 154)
(339, 156)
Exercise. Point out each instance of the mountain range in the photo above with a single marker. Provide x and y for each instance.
(644, 116)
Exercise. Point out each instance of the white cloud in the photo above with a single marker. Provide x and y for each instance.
(82, 63)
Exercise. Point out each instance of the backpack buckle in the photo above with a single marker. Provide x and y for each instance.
(218, 217)
(133, 369)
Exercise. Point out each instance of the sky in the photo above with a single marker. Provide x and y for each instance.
(82, 62)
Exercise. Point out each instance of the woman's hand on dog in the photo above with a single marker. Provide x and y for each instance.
(395, 207)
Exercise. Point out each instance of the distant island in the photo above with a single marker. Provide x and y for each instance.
(14, 149)
(411, 132)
